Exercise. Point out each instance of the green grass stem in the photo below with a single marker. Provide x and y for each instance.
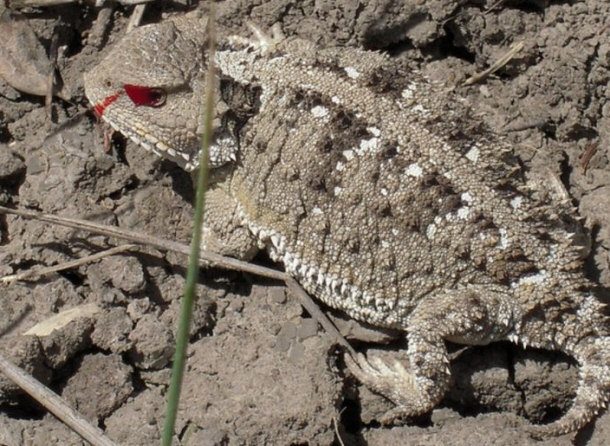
(192, 276)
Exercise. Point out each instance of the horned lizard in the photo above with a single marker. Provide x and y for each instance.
(376, 193)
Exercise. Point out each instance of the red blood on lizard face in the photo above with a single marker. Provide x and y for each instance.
(147, 96)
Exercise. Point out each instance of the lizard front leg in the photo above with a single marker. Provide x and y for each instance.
(222, 231)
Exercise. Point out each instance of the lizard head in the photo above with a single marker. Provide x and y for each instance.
(150, 87)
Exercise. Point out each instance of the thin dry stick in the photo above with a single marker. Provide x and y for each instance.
(54, 404)
(514, 49)
(336, 427)
(492, 7)
(37, 273)
(206, 257)
(585, 159)
(53, 53)
(313, 309)
(532, 124)
(18, 4)
(136, 17)
(98, 30)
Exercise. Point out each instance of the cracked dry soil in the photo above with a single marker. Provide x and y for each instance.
(260, 370)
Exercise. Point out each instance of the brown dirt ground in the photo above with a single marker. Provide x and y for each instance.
(260, 371)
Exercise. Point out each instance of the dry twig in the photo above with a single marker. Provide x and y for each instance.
(514, 49)
(136, 17)
(18, 4)
(54, 404)
(207, 258)
(37, 273)
(585, 159)
(314, 310)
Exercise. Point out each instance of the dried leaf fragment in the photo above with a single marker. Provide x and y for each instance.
(62, 319)
(23, 60)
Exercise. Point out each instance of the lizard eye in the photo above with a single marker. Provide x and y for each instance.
(147, 96)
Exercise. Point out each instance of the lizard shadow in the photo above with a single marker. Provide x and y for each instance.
(182, 182)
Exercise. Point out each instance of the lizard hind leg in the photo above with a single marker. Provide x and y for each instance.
(472, 315)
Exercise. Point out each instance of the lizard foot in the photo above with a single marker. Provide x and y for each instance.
(393, 381)
(262, 41)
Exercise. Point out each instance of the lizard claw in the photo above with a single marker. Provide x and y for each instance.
(392, 380)
(377, 369)
(264, 41)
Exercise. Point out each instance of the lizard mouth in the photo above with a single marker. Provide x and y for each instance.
(159, 123)
(140, 96)
(100, 107)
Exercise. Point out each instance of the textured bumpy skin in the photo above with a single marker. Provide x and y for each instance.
(378, 194)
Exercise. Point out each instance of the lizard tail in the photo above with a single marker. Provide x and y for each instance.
(593, 392)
